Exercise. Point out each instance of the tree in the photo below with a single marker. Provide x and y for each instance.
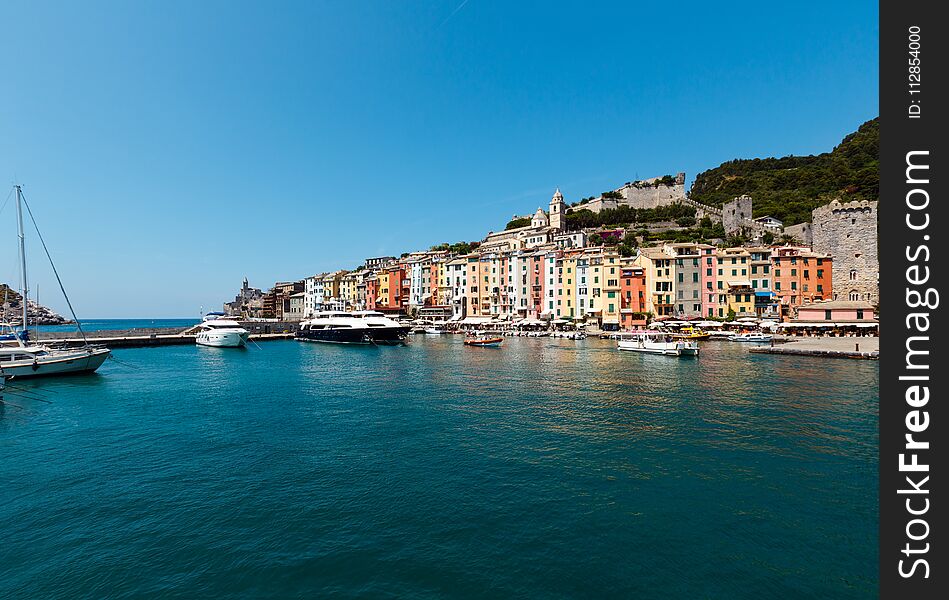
(767, 237)
(596, 240)
(788, 239)
(519, 222)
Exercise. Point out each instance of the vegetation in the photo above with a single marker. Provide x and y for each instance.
(515, 223)
(456, 248)
(790, 188)
(623, 216)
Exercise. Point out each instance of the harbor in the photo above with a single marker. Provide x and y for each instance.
(469, 464)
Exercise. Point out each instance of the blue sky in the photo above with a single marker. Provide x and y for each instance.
(168, 149)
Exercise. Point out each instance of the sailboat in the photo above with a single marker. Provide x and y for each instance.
(26, 359)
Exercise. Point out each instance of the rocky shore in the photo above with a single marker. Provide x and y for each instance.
(11, 310)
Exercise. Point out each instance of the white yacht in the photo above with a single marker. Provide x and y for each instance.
(751, 337)
(657, 342)
(358, 327)
(220, 332)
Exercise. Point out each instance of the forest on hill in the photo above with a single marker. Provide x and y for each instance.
(789, 188)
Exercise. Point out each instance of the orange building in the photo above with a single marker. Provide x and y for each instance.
(801, 277)
(632, 295)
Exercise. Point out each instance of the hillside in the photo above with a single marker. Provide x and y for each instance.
(789, 188)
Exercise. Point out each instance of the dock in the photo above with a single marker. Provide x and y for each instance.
(867, 348)
(140, 338)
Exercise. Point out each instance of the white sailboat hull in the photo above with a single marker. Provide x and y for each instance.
(60, 363)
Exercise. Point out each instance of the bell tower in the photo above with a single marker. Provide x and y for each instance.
(557, 210)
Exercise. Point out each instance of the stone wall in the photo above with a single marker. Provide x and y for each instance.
(848, 232)
(642, 194)
(802, 233)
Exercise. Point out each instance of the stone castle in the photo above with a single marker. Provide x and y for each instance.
(646, 193)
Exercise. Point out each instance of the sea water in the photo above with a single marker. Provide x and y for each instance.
(545, 468)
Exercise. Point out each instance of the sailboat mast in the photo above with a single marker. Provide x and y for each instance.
(24, 290)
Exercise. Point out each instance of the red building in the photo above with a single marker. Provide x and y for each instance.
(632, 296)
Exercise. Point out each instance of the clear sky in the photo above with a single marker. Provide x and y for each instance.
(170, 148)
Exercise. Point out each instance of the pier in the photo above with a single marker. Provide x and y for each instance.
(138, 338)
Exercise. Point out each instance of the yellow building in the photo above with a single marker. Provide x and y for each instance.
(611, 290)
(660, 280)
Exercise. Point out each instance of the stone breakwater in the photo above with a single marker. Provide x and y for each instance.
(158, 336)
(828, 347)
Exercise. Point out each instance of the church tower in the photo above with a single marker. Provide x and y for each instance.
(557, 211)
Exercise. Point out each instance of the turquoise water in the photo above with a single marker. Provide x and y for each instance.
(545, 468)
(115, 324)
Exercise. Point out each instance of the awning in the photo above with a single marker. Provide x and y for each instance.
(560, 321)
(475, 320)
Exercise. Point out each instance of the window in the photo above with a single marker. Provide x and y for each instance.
(793, 285)
(828, 316)
(859, 314)
(853, 274)
(854, 296)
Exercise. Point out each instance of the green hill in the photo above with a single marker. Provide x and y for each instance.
(790, 188)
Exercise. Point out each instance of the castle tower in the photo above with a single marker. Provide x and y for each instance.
(557, 210)
(848, 232)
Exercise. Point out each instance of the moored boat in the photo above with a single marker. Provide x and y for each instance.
(484, 341)
(656, 342)
(21, 358)
(358, 327)
(219, 332)
(694, 333)
(751, 337)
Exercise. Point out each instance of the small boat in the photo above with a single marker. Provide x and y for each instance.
(694, 333)
(750, 337)
(219, 332)
(485, 342)
(653, 342)
(435, 331)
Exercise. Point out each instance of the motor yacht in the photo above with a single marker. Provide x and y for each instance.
(220, 332)
(357, 327)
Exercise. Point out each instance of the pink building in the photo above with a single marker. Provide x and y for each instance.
(836, 311)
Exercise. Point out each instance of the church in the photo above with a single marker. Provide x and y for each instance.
(543, 229)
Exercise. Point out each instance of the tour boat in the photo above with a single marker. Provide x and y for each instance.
(751, 337)
(484, 342)
(219, 332)
(655, 342)
(358, 327)
(26, 359)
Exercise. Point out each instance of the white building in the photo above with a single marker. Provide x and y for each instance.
(313, 295)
